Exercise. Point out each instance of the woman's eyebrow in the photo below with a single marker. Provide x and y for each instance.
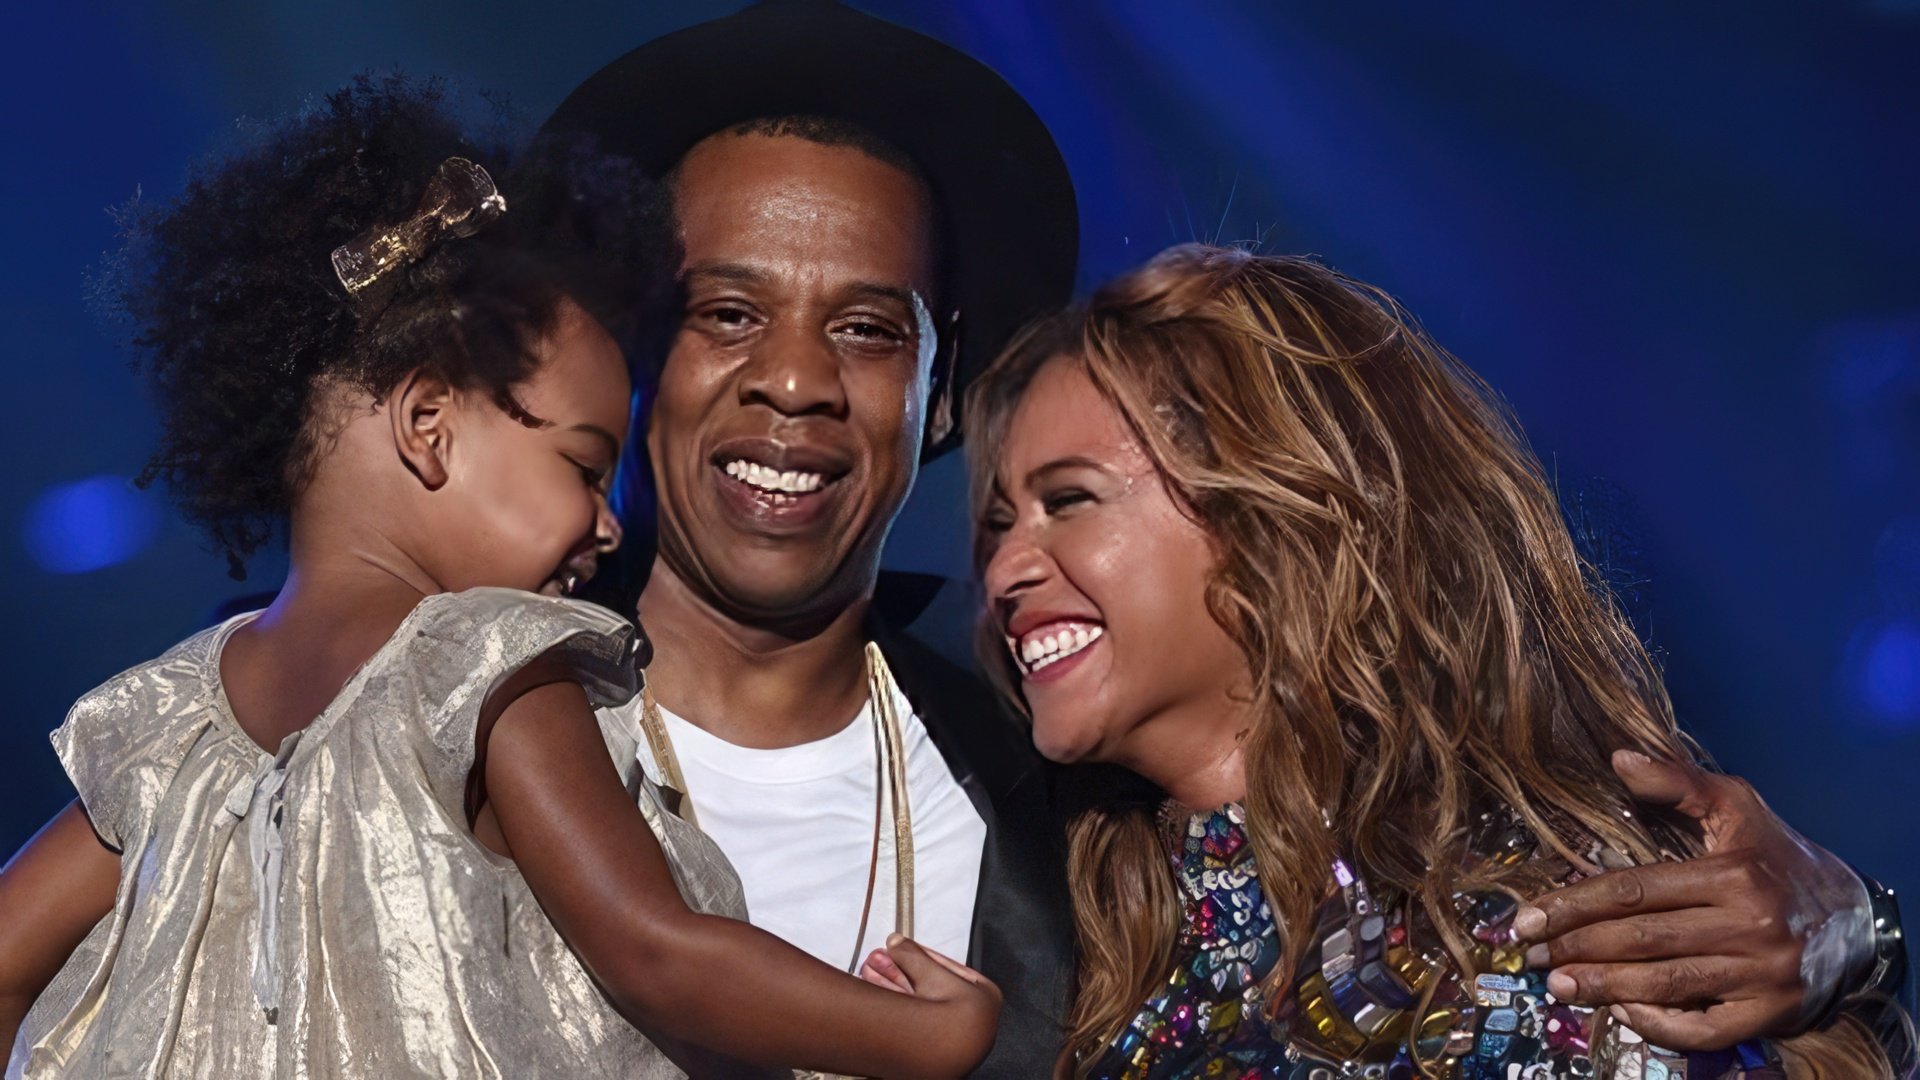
(1075, 461)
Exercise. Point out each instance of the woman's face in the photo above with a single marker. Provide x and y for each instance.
(1097, 581)
(531, 489)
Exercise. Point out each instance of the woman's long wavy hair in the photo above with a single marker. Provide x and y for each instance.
(1424, 641)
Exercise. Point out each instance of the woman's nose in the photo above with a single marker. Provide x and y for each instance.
(1017, 565)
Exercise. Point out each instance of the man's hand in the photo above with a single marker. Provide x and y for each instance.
(1705, 953)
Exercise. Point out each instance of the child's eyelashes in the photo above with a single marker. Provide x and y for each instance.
(595, 475)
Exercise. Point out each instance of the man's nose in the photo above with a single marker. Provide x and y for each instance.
(795, 372)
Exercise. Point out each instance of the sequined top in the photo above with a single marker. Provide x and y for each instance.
(325, 910)
(1359, 987)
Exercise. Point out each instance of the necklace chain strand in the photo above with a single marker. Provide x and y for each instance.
(890, 786)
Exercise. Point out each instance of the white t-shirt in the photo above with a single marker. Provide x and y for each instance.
(797, 824)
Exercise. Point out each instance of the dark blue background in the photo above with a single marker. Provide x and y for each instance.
(1682, 239)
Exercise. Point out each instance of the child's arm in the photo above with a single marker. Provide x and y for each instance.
(597, 870)
(53, 892)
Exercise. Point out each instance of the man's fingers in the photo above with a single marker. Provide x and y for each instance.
(1681, 984)
(1617, 894)
(1663, 935)
(1664, 783)
(1714, 1028)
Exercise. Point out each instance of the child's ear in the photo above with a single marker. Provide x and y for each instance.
(422, 415)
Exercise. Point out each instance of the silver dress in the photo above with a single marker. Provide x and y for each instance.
(325, 911)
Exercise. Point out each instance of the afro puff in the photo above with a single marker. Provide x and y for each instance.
(238, 318)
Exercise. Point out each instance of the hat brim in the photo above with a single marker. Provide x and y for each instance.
(1012, 227)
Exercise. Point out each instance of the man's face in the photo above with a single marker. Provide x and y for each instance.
(786, 429)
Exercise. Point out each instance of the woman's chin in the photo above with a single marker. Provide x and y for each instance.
(1064, 743)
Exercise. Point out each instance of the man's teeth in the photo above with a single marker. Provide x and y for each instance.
(789, 482)
(1040, 648)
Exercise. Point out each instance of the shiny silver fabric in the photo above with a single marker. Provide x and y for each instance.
(389, 943)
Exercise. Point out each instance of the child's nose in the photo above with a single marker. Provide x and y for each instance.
(607, 533)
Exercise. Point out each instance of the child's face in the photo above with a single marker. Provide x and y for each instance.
(528, 493)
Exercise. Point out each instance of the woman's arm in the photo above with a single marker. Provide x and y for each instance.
(596, 868)
(53, 892)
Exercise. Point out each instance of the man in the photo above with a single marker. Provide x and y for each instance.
(840, 280)
(866, 214)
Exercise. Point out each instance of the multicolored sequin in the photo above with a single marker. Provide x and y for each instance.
(1357, 996)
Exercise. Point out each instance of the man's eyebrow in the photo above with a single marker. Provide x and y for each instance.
(873, 290)
(613, 444)
(742, 274)
(735, 273)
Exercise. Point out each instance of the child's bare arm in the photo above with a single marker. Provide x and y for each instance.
(598, 871)
(53, 892)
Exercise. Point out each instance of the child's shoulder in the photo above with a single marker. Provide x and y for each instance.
(185, 676)
(122, 739)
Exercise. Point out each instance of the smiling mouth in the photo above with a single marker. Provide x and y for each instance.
(570, 576)
(1042, 647)
(784, 486)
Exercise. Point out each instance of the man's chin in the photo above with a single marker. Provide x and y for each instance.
(752, 583)
(786, 597)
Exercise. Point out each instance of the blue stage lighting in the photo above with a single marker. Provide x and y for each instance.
(1887, 672)
(89, 525)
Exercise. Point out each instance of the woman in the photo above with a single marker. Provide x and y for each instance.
(1249, 534)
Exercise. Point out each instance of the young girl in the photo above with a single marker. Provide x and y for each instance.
(376, 829)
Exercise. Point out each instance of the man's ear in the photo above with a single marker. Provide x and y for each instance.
(422, 412)
(945, 367)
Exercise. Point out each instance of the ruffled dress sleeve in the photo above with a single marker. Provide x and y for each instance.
(123, 742)
(465, 645)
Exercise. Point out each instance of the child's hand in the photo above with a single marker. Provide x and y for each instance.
(880, 970)
(907, 967)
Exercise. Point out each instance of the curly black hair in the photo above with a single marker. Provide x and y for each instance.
(238, 316)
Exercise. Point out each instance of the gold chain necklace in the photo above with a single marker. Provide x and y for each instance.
(889, 786)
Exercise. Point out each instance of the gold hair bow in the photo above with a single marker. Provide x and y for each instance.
(459, 201)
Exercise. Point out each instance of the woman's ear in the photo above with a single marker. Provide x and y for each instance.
(422, 411)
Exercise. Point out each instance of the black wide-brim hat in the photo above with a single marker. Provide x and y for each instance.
(1011, 225)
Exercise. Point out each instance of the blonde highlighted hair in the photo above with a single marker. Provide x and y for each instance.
(1424, 640)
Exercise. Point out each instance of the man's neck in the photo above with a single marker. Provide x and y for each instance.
(758, 686)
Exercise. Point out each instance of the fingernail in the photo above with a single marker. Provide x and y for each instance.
(1635, 757)
(1529, 922)
(1562, 985)
(895, 939)
(1619, 1012)
(1539, 956)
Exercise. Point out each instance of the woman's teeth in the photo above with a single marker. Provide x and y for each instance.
(1042, 647)
(790, 482)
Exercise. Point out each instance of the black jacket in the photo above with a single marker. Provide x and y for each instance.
(1022, 921)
